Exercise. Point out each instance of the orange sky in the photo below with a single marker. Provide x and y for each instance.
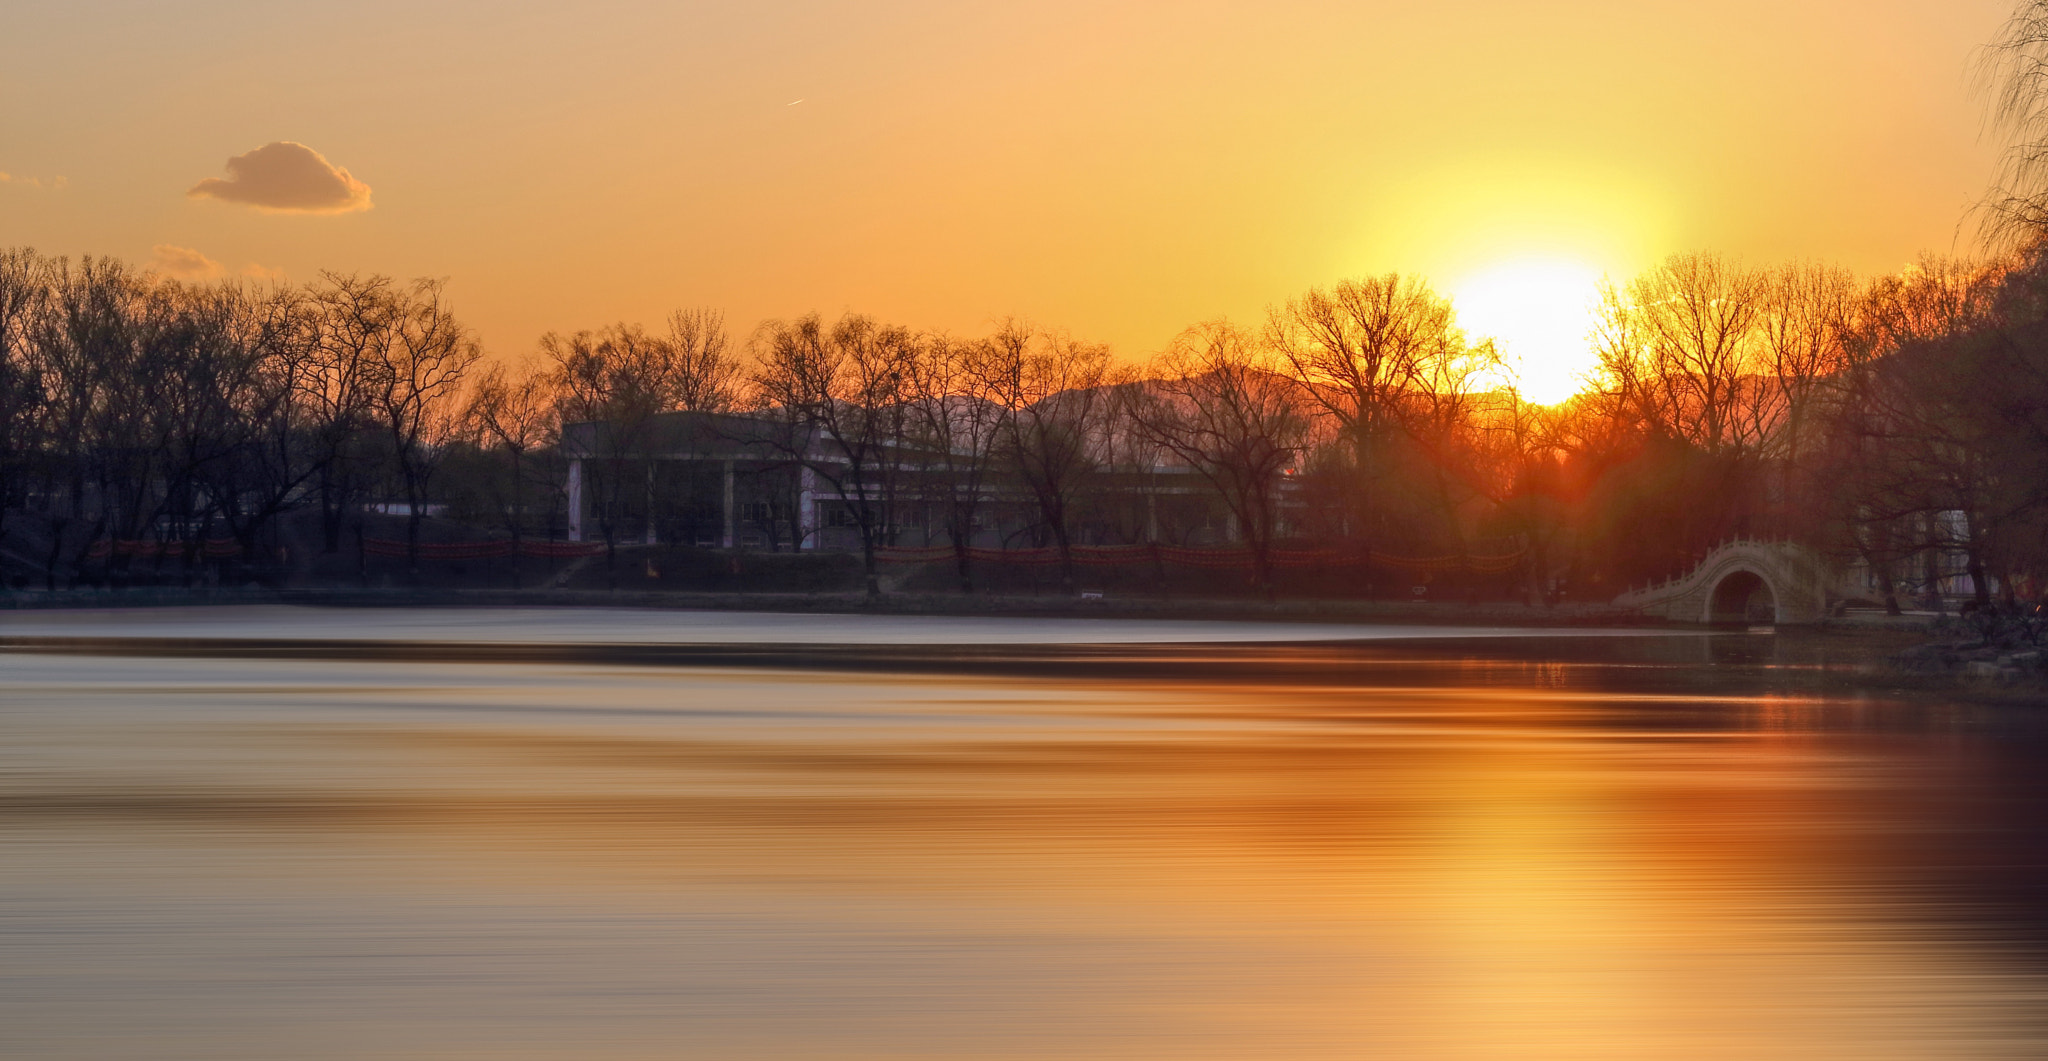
(1117, 169)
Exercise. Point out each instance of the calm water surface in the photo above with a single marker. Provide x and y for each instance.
(1081, 846)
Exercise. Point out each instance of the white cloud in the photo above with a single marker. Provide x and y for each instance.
(183, 263)
(286, 177)
(33, 182)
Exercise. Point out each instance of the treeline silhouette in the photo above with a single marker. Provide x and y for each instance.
(1899, 423)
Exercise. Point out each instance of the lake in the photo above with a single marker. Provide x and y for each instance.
(509, 834)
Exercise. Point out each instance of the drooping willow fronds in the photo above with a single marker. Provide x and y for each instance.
(2013, 71)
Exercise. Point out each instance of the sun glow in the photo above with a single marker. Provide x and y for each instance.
(1539, 312)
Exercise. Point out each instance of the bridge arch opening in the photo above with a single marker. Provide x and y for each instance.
(1742, 597)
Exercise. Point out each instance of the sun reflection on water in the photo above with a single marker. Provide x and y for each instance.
(1453, 858)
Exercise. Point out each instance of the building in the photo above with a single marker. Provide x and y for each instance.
(721, 480)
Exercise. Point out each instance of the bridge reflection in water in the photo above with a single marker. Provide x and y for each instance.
(1569, 851)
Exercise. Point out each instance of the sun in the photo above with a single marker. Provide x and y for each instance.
(1538, 311)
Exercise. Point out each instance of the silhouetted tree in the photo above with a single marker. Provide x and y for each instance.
(842, 392)
(415, 387)
(1057, 398)
(511, 409)
(1220, 404)
(1357, 349)
(957, 422)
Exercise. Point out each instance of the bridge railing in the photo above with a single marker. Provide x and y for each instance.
(1700, 569)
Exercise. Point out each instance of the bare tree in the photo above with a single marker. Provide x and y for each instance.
(1441, 411)
(2014, 72)
(1679, 346)
(1809, 312)
(277, 442)
(617, 379)
(958, 420)
(134, 389)
(702, 374)
(1219, 403)
(24, 287)
(844, 394)
(353, 319)
(1519, 453)
(1934, 298)
(415, 387)
(512, 408)
(1915, 470)
(204, 369)
(620, 378)
(83, 348)
(1356, 349)
(1057, 396)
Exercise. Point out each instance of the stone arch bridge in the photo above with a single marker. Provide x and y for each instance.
(1742, 581)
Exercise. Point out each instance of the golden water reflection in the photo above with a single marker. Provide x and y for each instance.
(1468, 858)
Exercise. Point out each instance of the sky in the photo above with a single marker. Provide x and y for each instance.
(1116, 169)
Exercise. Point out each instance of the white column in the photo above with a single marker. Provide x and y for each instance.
(806, 508)
(732, 516)
(576, 500)
(650, 502)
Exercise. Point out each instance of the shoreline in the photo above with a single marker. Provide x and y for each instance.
(1404, 612)
(1857, 653)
